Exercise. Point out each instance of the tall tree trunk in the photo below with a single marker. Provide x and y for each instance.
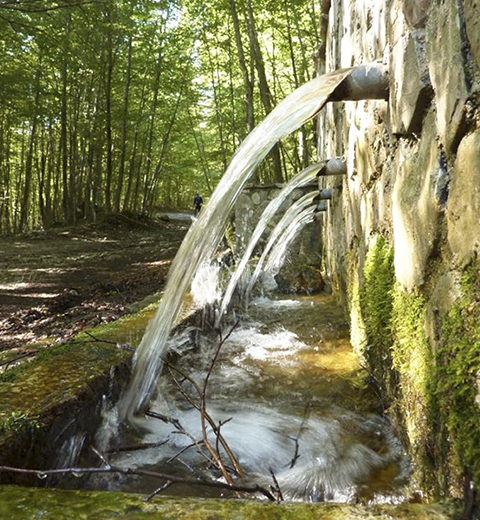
(123, 153)
(247, 80)
(201, 150)
(163, 150)
(216, 100)
(66, 202)
(265, 93)
(25, 206)
(128, 203)
(108, 111)
(153, 113)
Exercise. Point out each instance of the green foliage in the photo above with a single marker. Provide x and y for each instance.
(458, 374)
(18, 422)
(129, 105)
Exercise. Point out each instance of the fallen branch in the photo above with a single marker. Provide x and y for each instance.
(22, 356)
(141, 473)
(137, 447)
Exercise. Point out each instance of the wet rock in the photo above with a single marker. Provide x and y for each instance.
(297, 279)
(463, 213)
(446, 61)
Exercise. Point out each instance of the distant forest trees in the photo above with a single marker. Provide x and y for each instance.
(129, 105)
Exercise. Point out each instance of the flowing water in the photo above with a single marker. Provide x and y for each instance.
(289, 382)
(205, 234)
(290, 215)
(302, 179)
(278, 255)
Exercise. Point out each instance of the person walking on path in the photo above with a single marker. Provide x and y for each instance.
(197, 201)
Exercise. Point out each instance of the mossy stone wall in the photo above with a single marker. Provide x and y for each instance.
(402, 235)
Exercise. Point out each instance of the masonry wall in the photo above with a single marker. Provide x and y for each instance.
(402, 234)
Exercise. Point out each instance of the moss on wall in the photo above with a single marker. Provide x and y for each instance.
(398, 353)
(457, 375)
(376, 303)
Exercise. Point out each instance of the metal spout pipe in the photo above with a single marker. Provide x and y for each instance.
(369, 81)
(326, 194)
(333, 167)
(322, 206)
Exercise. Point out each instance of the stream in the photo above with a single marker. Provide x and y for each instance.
(293, 399)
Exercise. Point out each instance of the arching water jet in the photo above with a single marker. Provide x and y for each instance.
(292, 214)
(206, 233)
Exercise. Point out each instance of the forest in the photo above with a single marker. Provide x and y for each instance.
(129, 106)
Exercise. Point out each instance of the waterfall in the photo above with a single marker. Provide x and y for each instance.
(293, 211)
(205, 234)
(303, 178)
(277, 256)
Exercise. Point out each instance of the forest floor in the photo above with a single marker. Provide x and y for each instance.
(55, 284)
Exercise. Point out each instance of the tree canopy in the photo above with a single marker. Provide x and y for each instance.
(131, 105)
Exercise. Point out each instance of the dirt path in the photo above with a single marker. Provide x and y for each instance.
(53, 285)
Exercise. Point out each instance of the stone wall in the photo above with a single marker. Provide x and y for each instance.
(403, 233)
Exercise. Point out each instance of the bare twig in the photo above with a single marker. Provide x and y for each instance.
(203, 415)
(207, 416)
(158, 491)
(296, 456)
(220, 424)
(95, 339)
(102, 458)
(306, 413)
(181, 430)
(165, 419)
(182, 451)
(276, 489)
(137, 447)
(143, 473)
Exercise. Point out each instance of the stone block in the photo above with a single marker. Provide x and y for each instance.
(410, 87)
(463, 214)
(415, 212)
(471, 10)
(416, 12)
(445, 47)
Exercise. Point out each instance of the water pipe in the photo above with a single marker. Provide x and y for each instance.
(325, 194)
(369, 81)
(333, 167)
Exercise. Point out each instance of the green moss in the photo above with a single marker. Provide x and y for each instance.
(458, 374)
(410, 351)
(358, 335)
(376, 302)
(398, 353)
(49, 504)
